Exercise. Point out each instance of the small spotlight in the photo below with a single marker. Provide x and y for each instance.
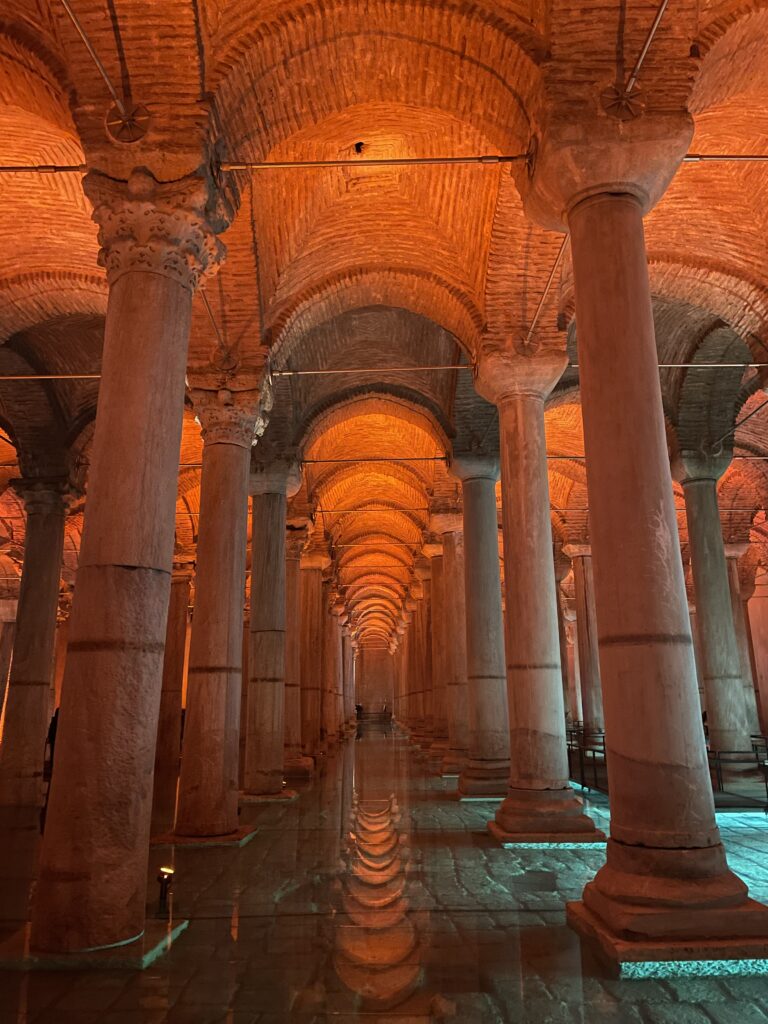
(165, 878)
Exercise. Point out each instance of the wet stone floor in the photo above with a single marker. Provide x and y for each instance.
(377, 897)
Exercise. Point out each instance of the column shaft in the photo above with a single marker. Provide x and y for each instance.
(721, 668)
(456, 652)
(665, 873)
(265, 731)
(486, 772)
(540, 800)
(168, 749)
(296, 765)
(28, 706)
(208, 786)
(742, 643)
(586, 637)
(312, 622)
(92, 883)
(440, 722)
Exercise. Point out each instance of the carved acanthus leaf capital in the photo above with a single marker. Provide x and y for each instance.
(166, 228)
(227, 417)
(45, 495)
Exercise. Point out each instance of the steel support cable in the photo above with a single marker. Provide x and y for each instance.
(95, 57)
(689, 158)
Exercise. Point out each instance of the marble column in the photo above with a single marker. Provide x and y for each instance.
(439, 742)
(733, 553)
(449, 525)
(168, 748)
(157, 241)
(540, 804)
(295, 764)
(574, 677)
(314, 561)
(665, 890)
(586, 637)
(208, 782)
(28, 705)
(423, 572)
(270, 485)
(486, 771)
(348, 662)
(727, 722)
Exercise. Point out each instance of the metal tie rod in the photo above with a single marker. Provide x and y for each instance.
(689, 158)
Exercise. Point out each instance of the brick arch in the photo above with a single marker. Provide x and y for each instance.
(469, 57)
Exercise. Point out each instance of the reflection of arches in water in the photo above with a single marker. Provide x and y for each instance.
(376, 949)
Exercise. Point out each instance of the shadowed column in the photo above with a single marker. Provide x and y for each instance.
(28, 707)
(486, 772)
(168, 749)
(665, 889)
(314, 561)
(586, 636)
(157, 240)
(296, 765)
(733, 553)
(540, 804)
(270, 485)
(208, 783)
(721, 668)
(449, 526)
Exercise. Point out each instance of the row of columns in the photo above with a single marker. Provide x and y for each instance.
(666, 877)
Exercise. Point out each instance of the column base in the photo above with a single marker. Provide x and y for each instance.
(650, 903)
(484, 780)
(239, 838)
(283, 797)
(299, 768)
(136, 955)
(454, 761)
(543, 816)
(720, 954)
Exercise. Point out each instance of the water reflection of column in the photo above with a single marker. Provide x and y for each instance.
(376, 949)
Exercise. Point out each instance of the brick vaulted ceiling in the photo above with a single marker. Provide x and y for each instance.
(382, 270)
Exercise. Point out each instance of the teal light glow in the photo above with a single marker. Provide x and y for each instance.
(693, 968)
(554, 846)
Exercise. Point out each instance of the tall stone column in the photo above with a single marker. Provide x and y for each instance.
(28, 705)
(574, 678)
(314, 562)
(168, 748)
(540, 803)
(348, 662)
(434, 552)
(586, 636)
(208, 783)
(271, 485)
(486, 771)
(449, 525)
(295, 764)
(721, 668)
(423, 572)
(157, 241)
(665, 890)
(733, 553)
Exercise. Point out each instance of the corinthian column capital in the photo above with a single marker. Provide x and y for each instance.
(227, 417)
(44, 495)
(166, 228)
